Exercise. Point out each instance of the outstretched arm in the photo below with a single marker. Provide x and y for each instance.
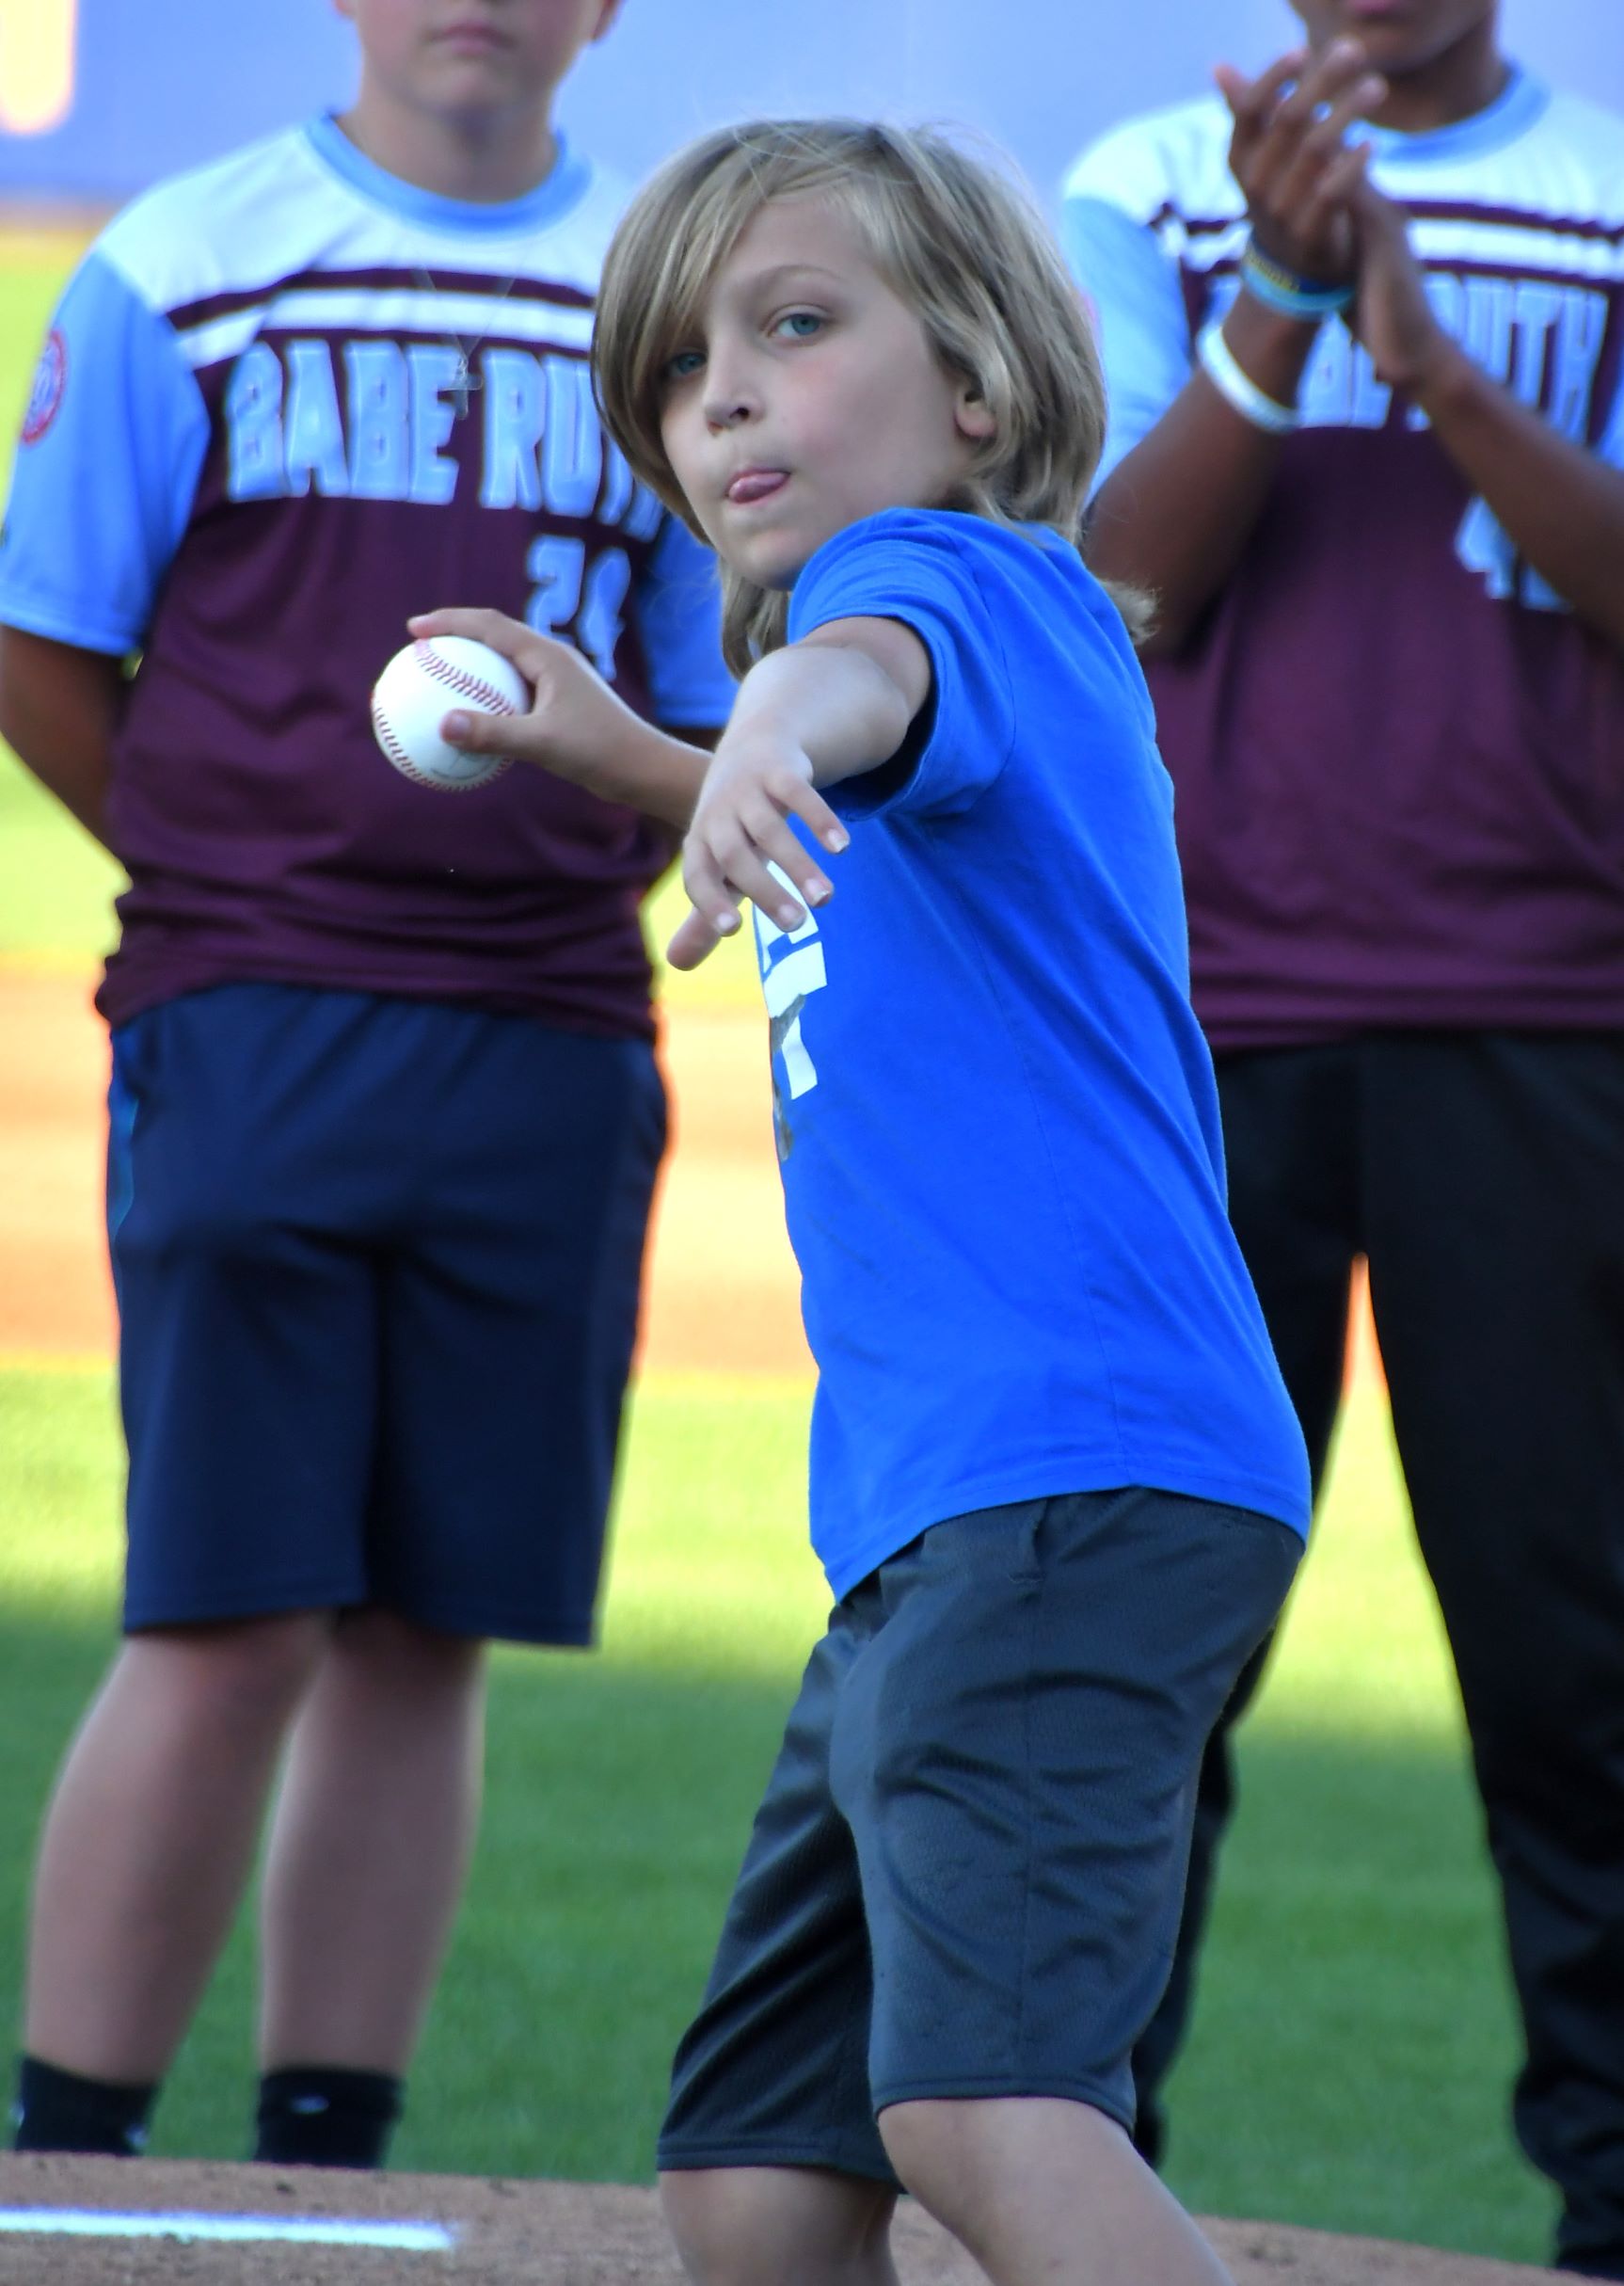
(1561, 506)
(838, 702)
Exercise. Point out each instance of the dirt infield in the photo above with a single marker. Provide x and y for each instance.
(55, 1295)
(520, 2234)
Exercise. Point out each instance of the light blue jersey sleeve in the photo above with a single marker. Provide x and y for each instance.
(106, 469)
(919, 566)
(679, 615)
(1133, 289)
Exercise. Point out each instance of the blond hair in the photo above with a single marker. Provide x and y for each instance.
(953, 239)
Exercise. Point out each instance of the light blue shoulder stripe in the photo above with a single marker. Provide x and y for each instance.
(103, 494)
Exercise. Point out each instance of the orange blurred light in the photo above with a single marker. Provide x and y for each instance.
(37, 58)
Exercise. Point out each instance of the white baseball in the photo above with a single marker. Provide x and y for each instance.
(419, 687)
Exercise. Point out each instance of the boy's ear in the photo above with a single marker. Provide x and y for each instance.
(973, 416)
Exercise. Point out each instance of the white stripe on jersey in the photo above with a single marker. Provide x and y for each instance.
(1565, 166)
(278, 210)
(360, 310)
(1450, 240)
(1500, 246)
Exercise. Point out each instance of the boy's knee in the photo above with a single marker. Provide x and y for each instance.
(233, 1675)
(703, 2221)
(952, 2151)
(924, 2138)
(394, 1650)
(777, 2226)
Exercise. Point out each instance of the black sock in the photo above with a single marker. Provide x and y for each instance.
(61, 2111)
(316, 2115)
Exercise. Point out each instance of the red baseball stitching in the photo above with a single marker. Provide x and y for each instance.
(434, 665)
(407, 768)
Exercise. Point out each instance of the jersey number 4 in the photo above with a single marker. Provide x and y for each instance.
(571, 596)
(1484, 545)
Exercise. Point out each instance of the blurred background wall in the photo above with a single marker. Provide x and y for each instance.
(98, 97)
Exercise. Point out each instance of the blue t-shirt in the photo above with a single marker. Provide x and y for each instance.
(999, 1131)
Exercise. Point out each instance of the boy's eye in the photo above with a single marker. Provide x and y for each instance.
(799, 325)
(685, 362)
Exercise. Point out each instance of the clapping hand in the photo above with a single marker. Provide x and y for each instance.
(1290, 155)
(1314, 211)
(1392, 316)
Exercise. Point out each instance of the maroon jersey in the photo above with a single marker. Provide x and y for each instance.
(286, 402)
(1399, 759)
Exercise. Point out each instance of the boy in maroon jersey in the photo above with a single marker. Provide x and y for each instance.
(1364, 330)
(384, 1112)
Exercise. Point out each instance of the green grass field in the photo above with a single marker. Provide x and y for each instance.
(1355, 2042)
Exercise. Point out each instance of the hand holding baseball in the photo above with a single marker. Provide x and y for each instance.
(410, 702)
(572, 722)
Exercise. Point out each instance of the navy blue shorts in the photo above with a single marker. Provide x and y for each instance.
(966, 1876)
(378, 1264)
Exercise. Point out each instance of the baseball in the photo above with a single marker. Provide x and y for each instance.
(419, 687)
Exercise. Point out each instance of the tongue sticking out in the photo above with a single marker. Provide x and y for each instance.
(756, 484)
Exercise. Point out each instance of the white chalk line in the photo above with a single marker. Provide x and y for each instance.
(87, 2222)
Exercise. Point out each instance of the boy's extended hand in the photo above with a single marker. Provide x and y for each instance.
(758, 778)
(1289, 155)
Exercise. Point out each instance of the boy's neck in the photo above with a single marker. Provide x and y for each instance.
(483, 161)
(1457, 85)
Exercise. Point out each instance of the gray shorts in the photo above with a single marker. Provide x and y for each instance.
(965, 1878)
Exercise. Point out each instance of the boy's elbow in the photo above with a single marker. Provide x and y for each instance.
(57, 698)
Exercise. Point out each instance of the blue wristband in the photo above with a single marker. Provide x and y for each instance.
(1282, 291)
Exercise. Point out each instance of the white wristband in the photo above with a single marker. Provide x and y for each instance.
(1237, 389)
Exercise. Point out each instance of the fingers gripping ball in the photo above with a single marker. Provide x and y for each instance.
(421, 686)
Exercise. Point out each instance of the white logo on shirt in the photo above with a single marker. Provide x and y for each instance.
(792, 970)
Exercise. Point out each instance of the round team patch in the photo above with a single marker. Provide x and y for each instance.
(50, 380)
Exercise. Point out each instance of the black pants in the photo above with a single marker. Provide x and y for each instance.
(1482, 1174)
